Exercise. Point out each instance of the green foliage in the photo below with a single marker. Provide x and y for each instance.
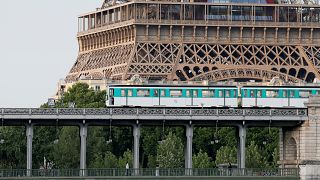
(152, 161)
(110, 160)
(97, 146)
(83, 97)
(126, 157)
(12, 152)
(201, 160)
(43, 144)
(254, 158)
(67, 151)
(275, 157)
(170, 152)
(226, 154)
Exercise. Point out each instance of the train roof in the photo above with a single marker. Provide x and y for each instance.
(284, 86)
(169, 85)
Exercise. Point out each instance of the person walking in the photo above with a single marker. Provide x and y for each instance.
(127, 169)
(229, 169)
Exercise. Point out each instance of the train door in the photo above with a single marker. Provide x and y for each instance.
(127, 93)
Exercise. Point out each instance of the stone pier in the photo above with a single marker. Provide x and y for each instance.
(300, 146)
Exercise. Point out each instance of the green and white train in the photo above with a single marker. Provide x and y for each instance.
(208, 96)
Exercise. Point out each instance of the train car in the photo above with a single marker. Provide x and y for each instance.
(171, 95)
(276, 96)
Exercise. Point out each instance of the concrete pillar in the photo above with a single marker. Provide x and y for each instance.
(83, 148)
(242, 137)
(238, 148)
(29, 134)
(188, 154)
(136, 145)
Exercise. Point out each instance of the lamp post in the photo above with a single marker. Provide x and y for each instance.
(162, 135)
(56, 141)
(109, 141)
(215, 138)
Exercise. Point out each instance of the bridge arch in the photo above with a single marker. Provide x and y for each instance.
(291, 149)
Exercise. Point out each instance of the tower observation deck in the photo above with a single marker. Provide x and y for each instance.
(212, 40)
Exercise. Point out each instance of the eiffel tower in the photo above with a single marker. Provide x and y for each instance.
(194, 40)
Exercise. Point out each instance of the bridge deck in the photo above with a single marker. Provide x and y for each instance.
(155, 116)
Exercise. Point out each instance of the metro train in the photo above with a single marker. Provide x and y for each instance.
(209, 96)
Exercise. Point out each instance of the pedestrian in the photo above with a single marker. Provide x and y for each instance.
(127, 169)
(229, 168)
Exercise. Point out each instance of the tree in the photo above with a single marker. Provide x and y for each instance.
(67, 151)
(13, 150)
(275, 158)
(111, 160)
(201, 160)
(170, 152)
(83, 97)
(126, 157)
(226, 154)
(254, 158)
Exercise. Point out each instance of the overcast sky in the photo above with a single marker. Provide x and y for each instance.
(38, 47)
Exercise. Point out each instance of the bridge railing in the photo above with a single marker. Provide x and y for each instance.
(287, 172)
(158, 111)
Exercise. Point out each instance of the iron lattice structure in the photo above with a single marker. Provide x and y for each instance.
(210, 40)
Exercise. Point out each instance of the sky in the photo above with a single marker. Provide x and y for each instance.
(38, 47)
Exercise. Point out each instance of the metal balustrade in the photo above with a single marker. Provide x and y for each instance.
(157, 111)
(252, 172)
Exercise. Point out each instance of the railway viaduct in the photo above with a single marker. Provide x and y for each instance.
(299, 134)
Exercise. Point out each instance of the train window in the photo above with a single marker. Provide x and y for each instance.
(111, 92)
(175, 93)
(188, 93)
(304, 94)
(207, 93)
(130, 94)
(123, 93)
(272, 93)
(245, 93)
(252, 93)
(291, 94)
(163, 93)
(195, 93)
(143, 93)
(259, 93)
(285, 93)
(227, 93)
(318, 92)
(155, 93)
